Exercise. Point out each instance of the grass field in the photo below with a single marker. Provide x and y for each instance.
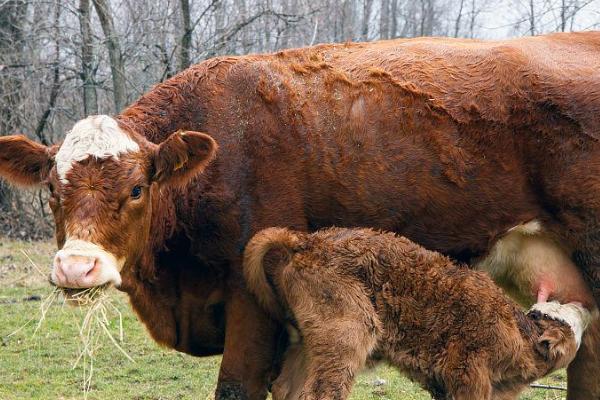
(40, 365)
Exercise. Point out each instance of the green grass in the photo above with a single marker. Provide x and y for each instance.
(40, 366)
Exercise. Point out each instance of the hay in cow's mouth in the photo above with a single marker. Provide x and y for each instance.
(95, 323)
(98, 306)
(83, 297)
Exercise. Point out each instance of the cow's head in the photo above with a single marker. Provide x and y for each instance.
(102, 180)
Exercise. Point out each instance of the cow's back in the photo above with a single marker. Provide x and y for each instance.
(437, 139)
(428, 137)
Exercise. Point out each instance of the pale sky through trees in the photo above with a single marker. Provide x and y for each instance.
(511, 18)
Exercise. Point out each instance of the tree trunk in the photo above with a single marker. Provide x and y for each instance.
(186, 37)
(364, 32)
(472, 20)
(54, 90)
(531, 18)
(246, 38)
(458, 18)
(384, 20)
(394, 17)
(90, 98)
(12, 16)
(114, 53)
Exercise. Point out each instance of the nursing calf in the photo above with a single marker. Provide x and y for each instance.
(358, 295)
(485, 151)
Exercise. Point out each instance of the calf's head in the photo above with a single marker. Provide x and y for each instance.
(102, 181)
(562, 327)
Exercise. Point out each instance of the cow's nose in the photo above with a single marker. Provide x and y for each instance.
(71, 271)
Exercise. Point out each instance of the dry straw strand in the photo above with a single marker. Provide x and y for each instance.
(95, 321)
(44, 305)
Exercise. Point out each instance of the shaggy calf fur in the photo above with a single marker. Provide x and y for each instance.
(360, 295)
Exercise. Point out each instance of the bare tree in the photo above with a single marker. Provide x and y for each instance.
(427, 17)
(532, 17)
(186, 37)
(55, 86)
(458, 18)
(472, 18)
(12, 16)
(393, 18)
(384, 20)
(364, 31)
(90, 100)
(114, 53)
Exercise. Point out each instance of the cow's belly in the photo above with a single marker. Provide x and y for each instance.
(532, 267)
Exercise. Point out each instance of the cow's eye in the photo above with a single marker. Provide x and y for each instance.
(136, 192)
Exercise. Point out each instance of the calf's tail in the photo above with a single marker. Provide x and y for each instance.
(261, 282)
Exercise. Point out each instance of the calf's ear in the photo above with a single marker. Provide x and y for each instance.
(556, 346)
(23, 161)
(182, 156)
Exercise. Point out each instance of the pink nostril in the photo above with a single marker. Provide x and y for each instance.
(92, 266)
(82, 268)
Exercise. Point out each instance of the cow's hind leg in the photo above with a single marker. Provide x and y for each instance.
(583, 374)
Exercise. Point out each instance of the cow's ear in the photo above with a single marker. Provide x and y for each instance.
(23, 161)
(182, 156)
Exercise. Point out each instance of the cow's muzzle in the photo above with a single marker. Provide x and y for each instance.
(81, 264)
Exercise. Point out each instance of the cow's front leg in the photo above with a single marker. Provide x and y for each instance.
(249, 350)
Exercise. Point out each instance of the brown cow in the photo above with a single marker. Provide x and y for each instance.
(356, 294)
(451, 143)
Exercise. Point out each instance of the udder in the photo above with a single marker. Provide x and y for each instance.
(533, 268)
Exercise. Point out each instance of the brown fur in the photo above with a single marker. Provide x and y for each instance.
(447, 142)
(355, 294)
(182, 156)
(23, 161)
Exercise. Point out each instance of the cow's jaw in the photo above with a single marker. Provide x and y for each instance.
(81, 264)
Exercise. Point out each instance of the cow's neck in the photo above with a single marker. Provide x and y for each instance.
(158, 113)
(175, 104)
(169, 285)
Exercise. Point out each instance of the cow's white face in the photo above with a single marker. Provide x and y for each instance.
(83, 261)
(102, 180)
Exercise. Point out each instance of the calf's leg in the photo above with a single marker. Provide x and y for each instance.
(477, 388)
(333, 360)
(290, 381)
(339, 332)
